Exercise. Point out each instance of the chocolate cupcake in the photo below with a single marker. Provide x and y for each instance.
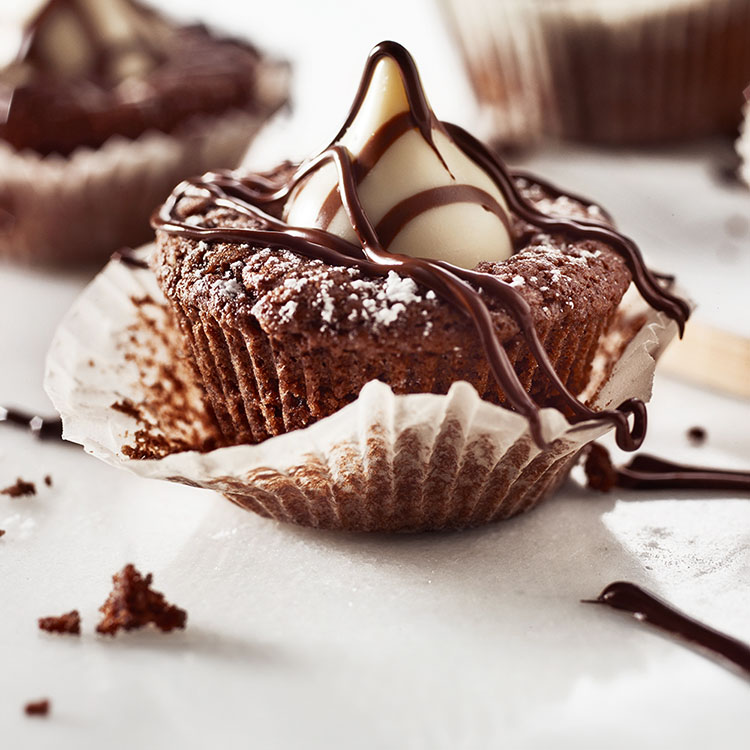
(404, 253)
(606, 71)
(106, 106)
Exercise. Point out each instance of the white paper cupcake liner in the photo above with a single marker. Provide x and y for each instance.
(78, 209)
(383, 463)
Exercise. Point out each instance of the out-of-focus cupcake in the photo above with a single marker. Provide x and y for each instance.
(743, 142)
(104, 107)
(606, 71)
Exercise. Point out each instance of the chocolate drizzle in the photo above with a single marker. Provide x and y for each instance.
(646, 607)
(105, 55)
(128, 258)
(254, 196)
(646, 472)
(42, 427)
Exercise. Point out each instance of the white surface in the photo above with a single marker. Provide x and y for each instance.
(304, 639)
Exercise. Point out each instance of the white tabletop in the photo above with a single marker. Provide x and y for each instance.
(298, 638)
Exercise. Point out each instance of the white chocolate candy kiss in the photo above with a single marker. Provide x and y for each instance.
(462, 219)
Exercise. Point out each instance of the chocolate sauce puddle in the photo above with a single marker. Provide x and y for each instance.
(44, 428)
(646, 607)
(647, 472)
(248, 196)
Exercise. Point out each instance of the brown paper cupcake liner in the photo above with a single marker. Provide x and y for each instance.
(78, 209)
(259, 387)
(385, 462)
(610, 72)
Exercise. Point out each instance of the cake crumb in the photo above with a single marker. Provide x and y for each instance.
(134, 604)
(37, 708)
(21, 488)
(48, 480)
(697, 435)
(600, 474)
(2, 532)
(69, 624)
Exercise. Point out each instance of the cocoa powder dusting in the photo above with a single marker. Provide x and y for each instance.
(173, 415)
(127, 407)
(134, 604)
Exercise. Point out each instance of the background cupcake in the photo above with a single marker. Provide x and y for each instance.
(606, 71)
(105, 106)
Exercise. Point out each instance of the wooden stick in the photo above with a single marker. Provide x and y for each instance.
(710, 357)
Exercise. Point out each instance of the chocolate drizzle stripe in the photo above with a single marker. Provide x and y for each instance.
(383, 138)
(127, 258)
(646, 282)
(105, 52)
(649, 472)
(646, 607)
(245, 195)
(420, 111)
(408, 209)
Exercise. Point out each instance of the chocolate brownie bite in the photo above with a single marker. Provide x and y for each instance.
(133, 604)
(21, 488)
(68, 624)
(281, 340)
(37, 708)
(284, 331)
(104, 108)
(601, 475)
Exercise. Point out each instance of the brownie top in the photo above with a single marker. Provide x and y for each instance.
(290, 294)
(59, 95)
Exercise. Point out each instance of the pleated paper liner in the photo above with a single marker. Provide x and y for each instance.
(607, 71)
(78, 209)
(385, 462)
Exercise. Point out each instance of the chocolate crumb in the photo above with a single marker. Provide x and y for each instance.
(48, 480)
(69, 623)
(21, 488)
(697, 435)
(2, 532)
(600, 474)
(37, 708)
(134, 604)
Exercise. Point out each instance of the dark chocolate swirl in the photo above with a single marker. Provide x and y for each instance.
(44, 428)
(646, 472)
(646, 607)
(249, 195)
